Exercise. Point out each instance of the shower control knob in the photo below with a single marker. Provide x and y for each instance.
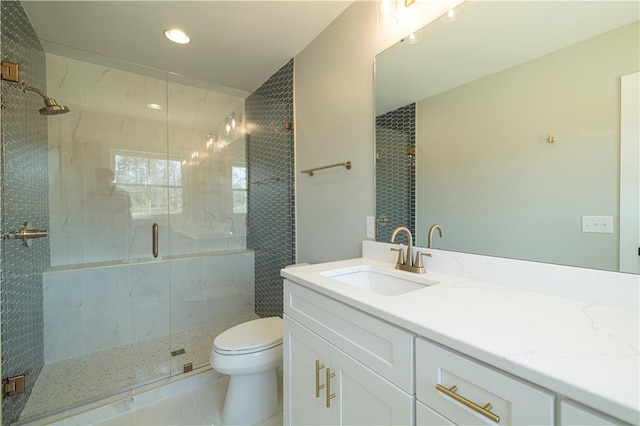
(25, 234)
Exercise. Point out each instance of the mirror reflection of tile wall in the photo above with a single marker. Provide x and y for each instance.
(395, 172)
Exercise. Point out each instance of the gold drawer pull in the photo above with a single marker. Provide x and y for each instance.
(451, 392)
(318, 385)
(330, 395)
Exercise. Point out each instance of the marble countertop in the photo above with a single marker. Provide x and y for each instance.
(584, 351)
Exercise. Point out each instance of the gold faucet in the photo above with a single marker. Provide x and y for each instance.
(431, 230)
(406, 263)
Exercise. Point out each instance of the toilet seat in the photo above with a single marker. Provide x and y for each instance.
(249, 337)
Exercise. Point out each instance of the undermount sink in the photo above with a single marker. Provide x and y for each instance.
(380, 281)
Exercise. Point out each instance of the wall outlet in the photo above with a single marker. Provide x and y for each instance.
(597, 224)
(371, 227)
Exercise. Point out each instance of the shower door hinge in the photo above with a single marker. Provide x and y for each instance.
(14, 385)
(10, 71)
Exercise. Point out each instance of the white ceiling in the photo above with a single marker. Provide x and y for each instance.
(237, 44)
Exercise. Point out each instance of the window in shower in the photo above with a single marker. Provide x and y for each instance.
(239, 187)
(154, 183)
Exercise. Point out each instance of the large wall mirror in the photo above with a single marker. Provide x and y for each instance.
(506, 127)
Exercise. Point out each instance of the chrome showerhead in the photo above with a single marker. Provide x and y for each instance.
(51, 106)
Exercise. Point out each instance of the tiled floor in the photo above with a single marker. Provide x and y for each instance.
(201, 405)
(195, 400)
(74, 381)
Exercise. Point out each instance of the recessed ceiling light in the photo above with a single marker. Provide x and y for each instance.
(177, 36)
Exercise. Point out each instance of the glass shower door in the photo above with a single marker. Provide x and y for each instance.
(89, 310)
(211, 270)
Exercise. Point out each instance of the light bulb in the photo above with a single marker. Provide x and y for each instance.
(412, 38)
(387, 10)
(452, 14)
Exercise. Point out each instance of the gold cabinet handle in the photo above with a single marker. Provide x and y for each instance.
(154, 239)
(318, 385)
(484, 410)
(330, 395)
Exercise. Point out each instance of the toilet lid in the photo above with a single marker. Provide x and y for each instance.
(251, 335)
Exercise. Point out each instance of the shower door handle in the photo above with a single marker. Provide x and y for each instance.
(25, 234)
(154, 239)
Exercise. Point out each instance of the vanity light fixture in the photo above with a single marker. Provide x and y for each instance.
(386, 13)
(177, 36)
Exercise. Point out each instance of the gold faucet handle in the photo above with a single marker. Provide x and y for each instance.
(418, 262)
(400, 255)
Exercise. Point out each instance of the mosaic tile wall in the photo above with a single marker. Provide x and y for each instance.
(24, 198)
(270, 220)
(395, 172)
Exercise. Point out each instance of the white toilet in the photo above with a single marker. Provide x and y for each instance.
(250, 353)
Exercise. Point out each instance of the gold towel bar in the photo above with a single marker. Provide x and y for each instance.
(346, 164)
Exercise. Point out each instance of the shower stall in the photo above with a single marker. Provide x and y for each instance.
(141, 190)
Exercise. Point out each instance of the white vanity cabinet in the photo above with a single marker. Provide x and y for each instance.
(342, 382)
(343, 365)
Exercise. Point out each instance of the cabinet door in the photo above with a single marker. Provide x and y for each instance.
(304, 390)
(365, 398)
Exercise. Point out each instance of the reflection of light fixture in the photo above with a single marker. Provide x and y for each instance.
(154, 106)
(386, 13)
(231, 124)
(452, 14)
(412, 38)
(210, 141)
(195, 155)
(177, 36)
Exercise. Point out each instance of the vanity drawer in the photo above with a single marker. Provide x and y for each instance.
(460, 388)
(384, 348)
(425, 416)
(574, 414)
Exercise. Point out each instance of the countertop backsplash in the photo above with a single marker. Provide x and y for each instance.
(614, 289)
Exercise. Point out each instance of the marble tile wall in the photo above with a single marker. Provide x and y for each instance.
(96, 308)
(109, 116)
